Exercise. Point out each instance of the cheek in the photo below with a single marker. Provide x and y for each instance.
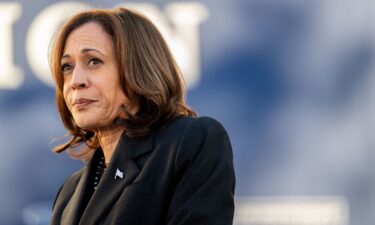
(115, 103)
(120, 99)
(113, 93)
(65, 95)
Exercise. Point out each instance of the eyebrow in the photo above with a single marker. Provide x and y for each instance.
(85, 50)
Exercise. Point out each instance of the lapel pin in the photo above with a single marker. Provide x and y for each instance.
(119, 174)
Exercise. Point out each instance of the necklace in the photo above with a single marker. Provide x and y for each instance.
(102, 166)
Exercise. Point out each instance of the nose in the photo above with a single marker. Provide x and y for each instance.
(79, 78)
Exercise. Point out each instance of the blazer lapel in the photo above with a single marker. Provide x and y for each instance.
(112, 183)
(75, 207)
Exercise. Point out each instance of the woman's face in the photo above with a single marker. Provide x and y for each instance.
(92, 88)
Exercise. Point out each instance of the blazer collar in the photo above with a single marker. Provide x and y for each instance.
(111, 184)
(75, 207)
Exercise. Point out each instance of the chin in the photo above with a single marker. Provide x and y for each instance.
(86, 123)
(87, 126)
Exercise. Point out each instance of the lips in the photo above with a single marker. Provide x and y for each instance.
(81, 103)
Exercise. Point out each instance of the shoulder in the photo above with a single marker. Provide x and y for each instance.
(203, 128)
(68, 187)
(191, 129)
(73, 179)
(195, 124)
(192, 134)
(201, 135)
(207, 124)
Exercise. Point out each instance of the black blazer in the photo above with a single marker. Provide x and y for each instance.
(180, 175)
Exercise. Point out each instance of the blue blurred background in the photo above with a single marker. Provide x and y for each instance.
(292, 81)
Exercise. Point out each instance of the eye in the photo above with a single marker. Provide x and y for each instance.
(66, 67)
(94, 61)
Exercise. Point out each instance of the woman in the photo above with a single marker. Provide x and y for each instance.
(150, 159)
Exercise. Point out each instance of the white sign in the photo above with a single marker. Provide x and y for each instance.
(182, 36)
(292, 210)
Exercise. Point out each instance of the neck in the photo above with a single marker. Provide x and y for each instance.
(108, 139)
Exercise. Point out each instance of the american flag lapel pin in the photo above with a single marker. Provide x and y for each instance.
(119, 174)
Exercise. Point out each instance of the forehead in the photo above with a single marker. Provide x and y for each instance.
(88, 35)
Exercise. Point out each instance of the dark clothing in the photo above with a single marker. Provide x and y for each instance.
(180, 175)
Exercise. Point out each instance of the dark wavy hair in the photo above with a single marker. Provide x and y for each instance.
(149, 75)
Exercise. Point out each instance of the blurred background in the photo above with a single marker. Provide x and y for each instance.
(292, 81)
